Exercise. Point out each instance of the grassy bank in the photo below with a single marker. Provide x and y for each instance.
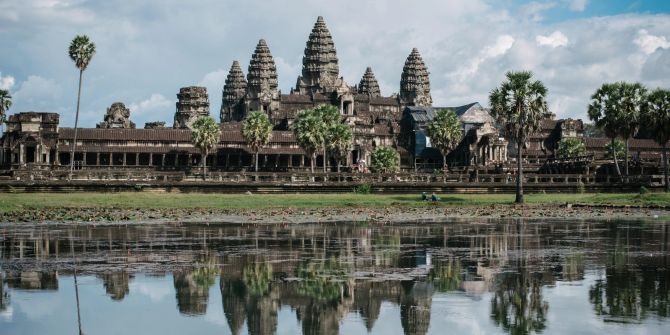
(18, 201)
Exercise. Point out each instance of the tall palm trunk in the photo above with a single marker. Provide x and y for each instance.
(519, 175)
(204, 164)
(76, 124)
(444, 162)
(665, 167)
(339, 162)
(616, 161)
(312, 161)
(325, 159)
(256, 162)
(625, 168)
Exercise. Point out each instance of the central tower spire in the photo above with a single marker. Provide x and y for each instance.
(319, 64)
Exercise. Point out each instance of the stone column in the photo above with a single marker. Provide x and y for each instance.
(124, 159)
(137, 158)
(151, 159)
(162, 160)
(84, 158)
(97, 159)
(21, 153)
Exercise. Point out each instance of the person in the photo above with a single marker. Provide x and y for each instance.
(424, 196)
(434, 197)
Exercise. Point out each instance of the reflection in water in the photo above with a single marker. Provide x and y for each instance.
(323, 274)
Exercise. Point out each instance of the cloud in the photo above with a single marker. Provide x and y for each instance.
(648, 43)
(534, 10)
(155, 104)
(556, 39)
(578, 5)
(499, 48)
(37, 93)
(6, 82)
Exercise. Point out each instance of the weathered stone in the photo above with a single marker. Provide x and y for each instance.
(369, 84)
(117, 116)
(234, 91)
(193, 103)
(262, 85)
(319, 64)
(155, 125)
(414, 82)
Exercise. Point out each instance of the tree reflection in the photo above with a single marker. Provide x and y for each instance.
(193, 287)
(573, 267)
(4, 293)
(517, 305)
(257, 278)
(323, 280)
(446, 275)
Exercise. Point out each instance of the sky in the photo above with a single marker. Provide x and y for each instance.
(147, 50)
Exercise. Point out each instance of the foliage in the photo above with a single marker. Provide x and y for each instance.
(5, 104)
(363, 189)
(517, 305)
(518, 105)
(308, 129)
(656, 118)
(339, 139)
(446, 275)
(590, 130)
(257, 132)
(385, 160)
(445, 131)
(617, 149)
(257, 278)
(644, 190)
(81, 51)
(570, 147)
(323, 280)
(204, 274)
(205, 135)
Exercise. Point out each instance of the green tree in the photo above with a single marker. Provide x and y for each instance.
(330, 116)
(339, 139)
(518, 105)
(632, 100)
(614, 149)
(257, 132)
(5, 104)
(570, 147)
(656, 118)
(308, 130)
(385, 160)
(445, 132)
(81, 52)
(205, 135)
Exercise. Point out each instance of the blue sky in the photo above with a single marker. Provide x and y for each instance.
(147, 50)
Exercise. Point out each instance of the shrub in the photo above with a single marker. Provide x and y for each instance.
(618, 148)
(570, 147)
(644, 190)
(362, 189)
(385, 160)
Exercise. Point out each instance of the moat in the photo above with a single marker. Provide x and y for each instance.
(475, 277)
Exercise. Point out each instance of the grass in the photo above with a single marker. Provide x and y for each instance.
(10, 202)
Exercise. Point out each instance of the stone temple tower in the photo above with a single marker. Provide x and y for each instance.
(414, 82)
(320, 72)
(262, 92)
(369, 84)
(193, 103)
(234, 90)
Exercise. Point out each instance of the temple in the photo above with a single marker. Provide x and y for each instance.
(35, 141)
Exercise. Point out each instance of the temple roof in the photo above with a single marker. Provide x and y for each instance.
(369, 84)
(262, 73)
(320, 60)
(235, 87)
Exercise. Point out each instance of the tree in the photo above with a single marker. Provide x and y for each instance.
(385, 160)
(445, 132)
(308, 130)
(81, 52)
(614, 149)
(632, 99)
(5, 104)
(339, 140)
(257, 132)
(656, 118)
(518, 105)
(570, 147)
(205, 135)
(330, 116)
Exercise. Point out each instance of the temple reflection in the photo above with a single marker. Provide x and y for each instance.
(325, 273)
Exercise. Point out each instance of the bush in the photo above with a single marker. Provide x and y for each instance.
(644, 190)
(581, 188)
(362, 189)
(570, 147)
(385, 160)
(618, 148)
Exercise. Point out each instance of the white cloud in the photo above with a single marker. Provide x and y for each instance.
(156, 103)
(534, 9)
(556, 39)
(6, 82)
(38, 94)
(648, 43)
(499, 48)
(578, 5)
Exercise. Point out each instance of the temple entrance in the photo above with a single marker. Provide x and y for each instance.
(30, 154)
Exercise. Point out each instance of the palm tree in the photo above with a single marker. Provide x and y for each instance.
(632, 98)
(656, 118)
(518, 105)
(445, 132)
(81, 52)
(308, 130)
(257, 132)
(5, 104)
(330, 116)
(205, 135)
(604, 111)
(339, 140)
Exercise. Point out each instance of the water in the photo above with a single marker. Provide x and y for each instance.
(485, 277)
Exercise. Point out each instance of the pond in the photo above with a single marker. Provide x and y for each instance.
(476, 277)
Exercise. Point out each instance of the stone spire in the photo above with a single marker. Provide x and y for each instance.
(319, 64)
(262, 75)
(193, 102)
(369, 84)
(234, 91)
(414, 82)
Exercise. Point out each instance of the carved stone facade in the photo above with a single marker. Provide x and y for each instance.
(414, 82)
(234, 91)
(193, 103)
(262, 85)
(117, 116)
(369, 84)
(320, 71)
